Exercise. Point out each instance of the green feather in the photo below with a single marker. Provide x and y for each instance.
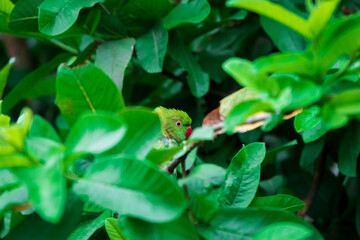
(173, 126)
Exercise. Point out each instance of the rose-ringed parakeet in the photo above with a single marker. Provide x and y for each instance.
(175, 127)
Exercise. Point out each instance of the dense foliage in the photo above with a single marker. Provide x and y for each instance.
(272, 88)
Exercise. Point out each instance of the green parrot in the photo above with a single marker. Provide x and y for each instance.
(175, 127)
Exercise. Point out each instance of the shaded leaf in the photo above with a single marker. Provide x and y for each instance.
(85, 88)
(149, 194)
(242, 177)
(198, 80)
(113, 57)
(57, 16)
(190, 12)
(282, 201)
(151, 48)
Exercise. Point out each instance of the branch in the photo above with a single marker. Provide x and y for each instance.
(175, 162)
(319, 172)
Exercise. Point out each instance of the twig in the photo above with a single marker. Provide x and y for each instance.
(175, 162)
(102, 7)
(319, 172)
(87, 53)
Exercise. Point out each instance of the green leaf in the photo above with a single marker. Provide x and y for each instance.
(315, 133)
(6, 6)
(347, 102)
(205, 133)
(284, 231)
(339, 38)
(198, 80)
(57, 16)
(190, 12)
(246, 74)
(4, 73)
(243, 95)
(113, 57)
(246, 223)
(178, 229)
(284, 38)
(113, 229)
(276, 12)
(85, 88)
(320, 16)
(88, 228)
(242, 177)
(203, 177)
(46, 184)
(143, 131)
(309, 154)
(36, 228)
(13, 196)
(349, 150)
(29, 83)
(149, 194)
(151, 48)
(300, 63)
(95, 134)
(24, 16)
(282, 201)
(241, 112)
(42, 128)
(160, 156)
(272, 153)
(307, 119)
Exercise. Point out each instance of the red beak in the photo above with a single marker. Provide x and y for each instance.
(188, 132)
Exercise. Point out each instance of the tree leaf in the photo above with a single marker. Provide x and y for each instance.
(205, 133)
(113, 229)
(190, 12)
(85, 88)
(242, 177)
(151, 48)
(284, 231)
(178, 229)
(198, 80)
(307, 119)
(320, 16)
(203, 177)
(6, 6)
(343, 32)
(4, 73)
(349, 150)
(309, 154)
(284, 38)
(113, 57)
(149, 194)
(143, 131)
(57, 16)
(46, 184)
(42, 128)
(281, 201)
(33, 226)
(28, 84)
(246, 223)
(24, 16)
(88, 228)
(276, 12)
(95, 134)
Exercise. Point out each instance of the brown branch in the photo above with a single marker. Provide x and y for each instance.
(319, 172)
(175, 162)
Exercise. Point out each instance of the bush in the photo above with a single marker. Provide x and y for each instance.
(81, 160)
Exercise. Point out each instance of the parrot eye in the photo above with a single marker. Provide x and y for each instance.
(178, 123)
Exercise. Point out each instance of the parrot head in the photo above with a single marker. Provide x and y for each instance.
(175, 124)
